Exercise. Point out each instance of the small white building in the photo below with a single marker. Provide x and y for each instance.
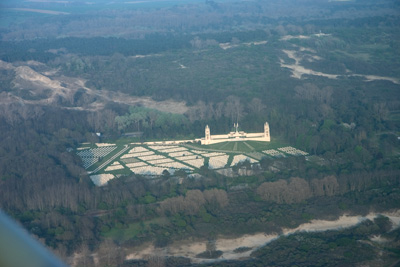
(235, 136)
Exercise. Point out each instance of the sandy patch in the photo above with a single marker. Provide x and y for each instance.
(65, 87)
(28, 74)
(298, 71)
(260, 43)
(43, 11)
(144, 56)
(307, 49)
(182, 249)
(322, 34)
(378, 239)
(370, 78)
(6, 65)
(190, 249)
(323, 225)
(50, 72)
(34, 63)
(142, 253)
(289, 37)
(251, 241)
(394, 217)
(101, 179)
(226, 46)
(256, 43)
(292, 54)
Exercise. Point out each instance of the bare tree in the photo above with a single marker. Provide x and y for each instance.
(83, 258)
(152, 117)
(201, 110)
(216, 195)
(312, 92)
(218, 110)
(211, 247)
(137, 117)
(331, 185)
(233, 108)
(281, 30)
(172, 205)
(256, 106)
(109, 118)
(196, 43)
(109, 253)
(155, 261)
(381, 110)
(193, 201)
(282, 192)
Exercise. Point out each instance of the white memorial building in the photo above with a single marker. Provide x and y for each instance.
(235, 136)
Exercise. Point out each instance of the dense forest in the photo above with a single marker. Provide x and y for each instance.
(325, 75)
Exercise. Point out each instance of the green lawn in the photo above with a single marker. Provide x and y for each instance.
(242, 147)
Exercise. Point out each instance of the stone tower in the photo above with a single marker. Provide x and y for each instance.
(266, 131)
(208, 134)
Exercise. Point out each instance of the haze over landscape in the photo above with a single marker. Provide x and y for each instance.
(203, 133)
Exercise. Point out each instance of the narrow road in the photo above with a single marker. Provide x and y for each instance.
(126, 147)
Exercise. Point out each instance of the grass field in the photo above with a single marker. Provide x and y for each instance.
(133, 229)
(244, 147)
